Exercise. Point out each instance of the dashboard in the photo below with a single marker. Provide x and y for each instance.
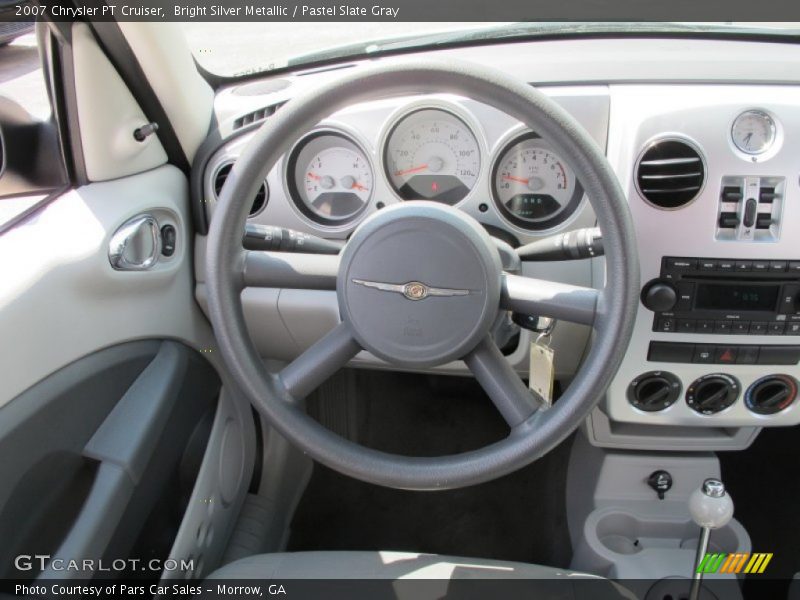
(705, 153)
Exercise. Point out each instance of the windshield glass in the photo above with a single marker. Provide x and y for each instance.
(236, 48)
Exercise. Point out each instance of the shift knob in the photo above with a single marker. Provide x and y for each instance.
(711, 506)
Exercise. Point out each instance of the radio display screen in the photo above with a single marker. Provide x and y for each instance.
(712, 296)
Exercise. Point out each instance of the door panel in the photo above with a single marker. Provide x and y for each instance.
(89, 453)
(61, 299)
(112, 424)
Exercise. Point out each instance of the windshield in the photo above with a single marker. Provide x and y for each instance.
(236, 48)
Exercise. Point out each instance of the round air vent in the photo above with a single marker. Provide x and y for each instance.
(259, 202)
(670, 173)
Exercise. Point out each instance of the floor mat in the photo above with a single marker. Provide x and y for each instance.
(764, 482)
(518, 517)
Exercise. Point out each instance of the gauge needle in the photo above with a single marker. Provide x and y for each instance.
(358, 186)
(313, 176)
(411, 170)
(517, 179)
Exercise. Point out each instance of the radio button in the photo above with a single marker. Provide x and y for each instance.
(703, 354)
(762, 266)
(705, 327)
(686, 325)
(777, 266)
(726, 265)
(758, 328)
(685, 296)
(744, 265)
(741, 327)
(792, 329)
(748, 355)
(722, 326)
(794, 266)
(790, 299)
(666, 324)
(776, 328)
(681, 264)
(707, 264)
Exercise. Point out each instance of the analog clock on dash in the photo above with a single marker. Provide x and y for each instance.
(753, 132)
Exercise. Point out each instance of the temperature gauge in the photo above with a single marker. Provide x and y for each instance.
(753, 132)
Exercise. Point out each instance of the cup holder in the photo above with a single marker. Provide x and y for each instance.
(619, 533)
(627, 534)
(626, 544)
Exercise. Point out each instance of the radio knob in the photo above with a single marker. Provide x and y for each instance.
(659, 296)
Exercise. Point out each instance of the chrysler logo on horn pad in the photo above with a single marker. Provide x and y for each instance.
(413, 290)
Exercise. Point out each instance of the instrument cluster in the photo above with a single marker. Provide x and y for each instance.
(430, 152)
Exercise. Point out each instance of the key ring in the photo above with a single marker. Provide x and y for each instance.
(544, 334)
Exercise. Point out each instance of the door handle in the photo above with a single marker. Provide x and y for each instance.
(136, 245)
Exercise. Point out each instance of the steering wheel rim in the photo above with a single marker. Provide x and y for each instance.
(229, 269)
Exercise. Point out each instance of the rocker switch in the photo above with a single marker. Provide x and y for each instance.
(750, 212)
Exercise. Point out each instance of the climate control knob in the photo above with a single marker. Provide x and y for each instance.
(659, 296)
(771, 394)
(713, 393)
(654, 391)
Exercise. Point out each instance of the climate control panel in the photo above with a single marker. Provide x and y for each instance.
(712, 393)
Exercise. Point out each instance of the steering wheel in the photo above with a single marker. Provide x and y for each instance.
(420, 284)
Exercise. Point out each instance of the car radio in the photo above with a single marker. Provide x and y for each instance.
(725, 296)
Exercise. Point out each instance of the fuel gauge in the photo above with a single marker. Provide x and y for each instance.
(330, 178)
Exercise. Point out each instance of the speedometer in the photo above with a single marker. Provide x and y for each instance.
(330, 178)
(532, 186)
(431, 154)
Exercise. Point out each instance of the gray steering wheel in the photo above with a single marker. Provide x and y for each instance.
(420, 284)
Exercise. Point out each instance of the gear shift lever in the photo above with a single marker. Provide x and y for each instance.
(711, 507)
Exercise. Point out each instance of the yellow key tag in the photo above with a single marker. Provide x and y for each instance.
(542, 373)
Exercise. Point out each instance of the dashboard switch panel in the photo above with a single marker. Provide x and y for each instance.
(750, 209)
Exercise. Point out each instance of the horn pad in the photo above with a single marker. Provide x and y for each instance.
(419, 284)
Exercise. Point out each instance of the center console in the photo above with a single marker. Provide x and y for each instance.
(716, 344)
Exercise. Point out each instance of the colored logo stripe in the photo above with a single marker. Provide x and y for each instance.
(734, 563)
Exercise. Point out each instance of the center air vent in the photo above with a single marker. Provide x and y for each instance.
(670, 173)
(261, 198)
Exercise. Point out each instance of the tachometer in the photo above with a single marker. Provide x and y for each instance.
(329, 178)
(431, 154)
(532, 186)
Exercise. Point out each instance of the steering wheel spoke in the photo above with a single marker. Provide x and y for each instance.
(531, 296)
(314, 366)
(289, 270)
(503, 386)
